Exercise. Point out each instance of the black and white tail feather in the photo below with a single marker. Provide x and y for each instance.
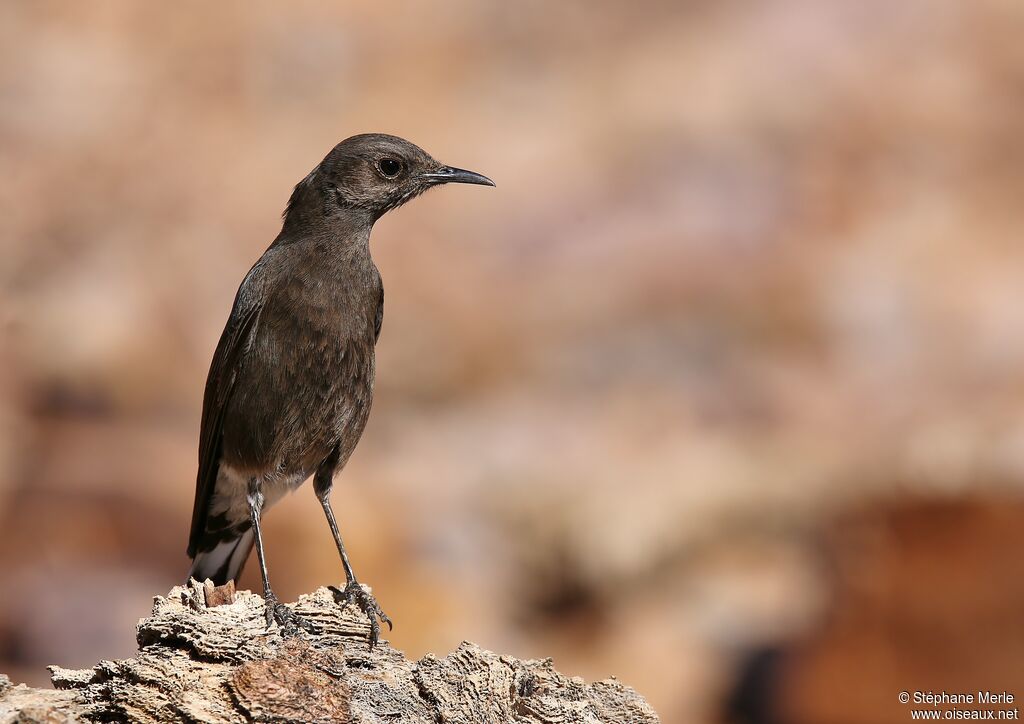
(224, 561)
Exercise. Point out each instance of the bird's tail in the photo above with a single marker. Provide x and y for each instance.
(223, 562)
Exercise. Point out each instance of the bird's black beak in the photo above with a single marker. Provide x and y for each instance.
(449, 175)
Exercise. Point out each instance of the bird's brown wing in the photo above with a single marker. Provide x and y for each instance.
(378, 320)
(234, 342)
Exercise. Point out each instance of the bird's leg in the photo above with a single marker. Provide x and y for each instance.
(274, 609)
(354, 592)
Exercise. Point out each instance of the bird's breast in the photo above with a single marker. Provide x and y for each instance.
(307, 384)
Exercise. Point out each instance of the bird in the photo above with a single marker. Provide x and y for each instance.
(290, 386)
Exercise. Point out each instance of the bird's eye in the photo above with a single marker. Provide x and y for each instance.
(389, 167)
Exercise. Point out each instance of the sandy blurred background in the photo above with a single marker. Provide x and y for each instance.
(720, 391)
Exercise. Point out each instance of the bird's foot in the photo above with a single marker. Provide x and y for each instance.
(358, 594)
(286, 619)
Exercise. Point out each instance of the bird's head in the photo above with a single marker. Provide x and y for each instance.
(373, 173)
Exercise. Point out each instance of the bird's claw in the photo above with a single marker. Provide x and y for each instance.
(288, 621)
(356, 593)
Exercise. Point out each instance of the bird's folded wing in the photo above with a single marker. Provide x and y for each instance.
(378, 320)
(232, 348)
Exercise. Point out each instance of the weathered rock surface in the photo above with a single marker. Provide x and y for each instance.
(219, 663)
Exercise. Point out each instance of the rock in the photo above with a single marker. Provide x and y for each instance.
(219, 663)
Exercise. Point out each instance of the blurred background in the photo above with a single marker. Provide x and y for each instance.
(721, 391)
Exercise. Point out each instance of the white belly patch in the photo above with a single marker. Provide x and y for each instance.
(230, 497)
